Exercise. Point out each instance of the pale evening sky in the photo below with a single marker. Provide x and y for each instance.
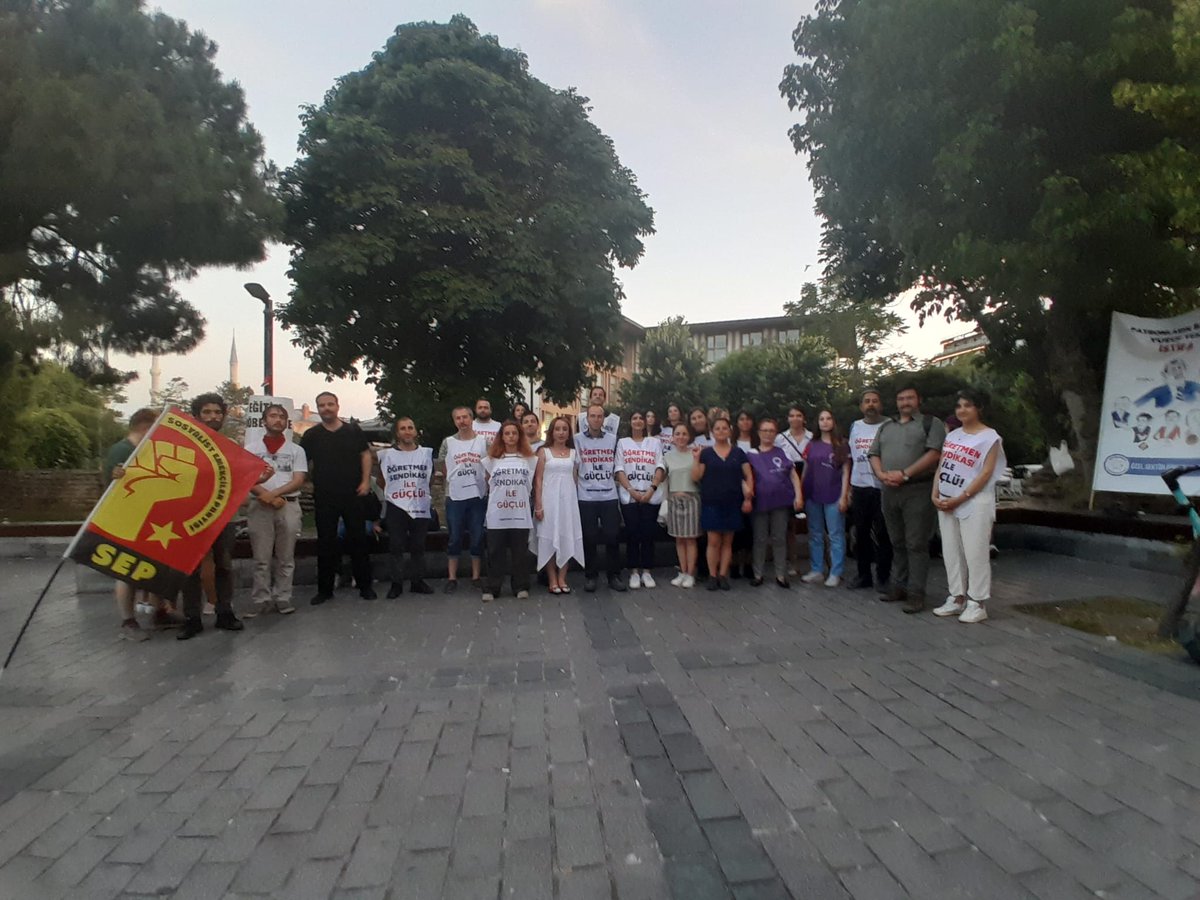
(687, 92)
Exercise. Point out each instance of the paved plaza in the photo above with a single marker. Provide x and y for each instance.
(762, 743)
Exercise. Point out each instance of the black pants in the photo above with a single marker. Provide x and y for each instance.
(601, 521)
(328, 511)
(641, 521)
(222, 554)
(406, 533)
(508, 554)
(871, 542)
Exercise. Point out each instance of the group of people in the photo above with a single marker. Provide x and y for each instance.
(732, 486)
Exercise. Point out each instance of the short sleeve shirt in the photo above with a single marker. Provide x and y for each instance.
(900, 444)
(287, 460)
(722, 481)
(335, 458)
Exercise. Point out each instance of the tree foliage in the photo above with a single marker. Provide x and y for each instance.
(38, 438)
(126, 162)
(456, 225)
(854, 328)
(670, 370)
(977, 150)
(767, 380)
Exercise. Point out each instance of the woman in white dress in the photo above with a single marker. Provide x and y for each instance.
(556, 506)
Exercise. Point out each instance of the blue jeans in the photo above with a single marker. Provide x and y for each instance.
(822, 518)
(465, 516)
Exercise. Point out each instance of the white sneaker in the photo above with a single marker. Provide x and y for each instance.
(647, 581)
(813, 577)
(635, 581)
(522, 595)
(973, 613)
(952, 607)
(833, 581)
(209, 610)
(689, 581)
(678, 580)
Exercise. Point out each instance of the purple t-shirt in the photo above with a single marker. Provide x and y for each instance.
(772, 479)
(822, 474)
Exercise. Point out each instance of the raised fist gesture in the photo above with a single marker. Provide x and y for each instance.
(160, 471)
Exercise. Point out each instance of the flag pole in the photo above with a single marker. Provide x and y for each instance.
(29, 618)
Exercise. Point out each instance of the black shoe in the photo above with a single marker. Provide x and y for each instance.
(368, 594)
(857, 583)
(895, 595)
(229, 622)
(396, 591)
(714, 583)
(616, 584)
(451, 586)
(420, 587)
(589, 585)
(724, 583)
(477, 583)
(319, 599)
(756, 581)
(783, 583)
(191, 628)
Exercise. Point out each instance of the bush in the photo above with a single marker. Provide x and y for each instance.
(53, 439)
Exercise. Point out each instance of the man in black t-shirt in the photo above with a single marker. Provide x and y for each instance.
(339, 465)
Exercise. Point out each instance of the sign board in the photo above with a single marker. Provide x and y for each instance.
(254, 414)
(1150, 419)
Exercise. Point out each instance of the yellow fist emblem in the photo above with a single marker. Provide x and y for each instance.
(159, 472)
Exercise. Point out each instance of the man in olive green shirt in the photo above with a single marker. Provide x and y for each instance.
(904, 456)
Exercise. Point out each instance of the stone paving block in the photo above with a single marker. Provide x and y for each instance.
(381, 745)
(528, 815)
(206, 880)
(872, 883)
(1055, 884)
(253, 769)
(972, 873)
(484, 794)
(696, 877)
(741, 857)
(74, 866)
(361, 783)
(276, 789)
(59, 837)
(313, 879)
(280, 738)
(566, 746)
(585, 884)
(477, 846)
(105, 881)
(675, 828)
(263, 723)
(571, 785)
(214, 815)
(577, 838)
(419, 876)
(447, 776)
(432, 824)
(686, 753)
(905, 860)
(331, 766)
(239, 838)
(527, 870)
(170, 778)
(762, 890)
(709, 796)
(146, 838)
(657, 779)
(337, 831)
(374, 858)
(168, 867)
(304, 809)
(267, 868)
(641, 739)
(801, 867)
(528, 767)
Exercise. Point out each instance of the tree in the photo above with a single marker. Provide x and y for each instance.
(856, 329)
(976, 150)
(456, 224)
(670, 370)
(236, 399)
(175, 393)
(42, 402)
(767, 380)
(126, 162)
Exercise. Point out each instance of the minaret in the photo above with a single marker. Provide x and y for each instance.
(233, 362)
(155, 379)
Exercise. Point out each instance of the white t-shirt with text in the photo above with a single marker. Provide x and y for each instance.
(962, 461)
(407, 476)
(597, 467)
(639, 460)
(510, 491)
(862, 436)
(464, 467)
(487, 430)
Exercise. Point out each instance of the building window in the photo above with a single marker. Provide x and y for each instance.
(716, 347)
(752, 339)
(789, 335)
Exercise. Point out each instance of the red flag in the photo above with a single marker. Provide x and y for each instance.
(181, 486)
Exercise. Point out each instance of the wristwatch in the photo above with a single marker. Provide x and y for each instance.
(904, 475)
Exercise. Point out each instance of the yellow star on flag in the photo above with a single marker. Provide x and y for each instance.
(164, 534)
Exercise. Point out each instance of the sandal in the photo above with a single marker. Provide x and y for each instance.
(565, 589)
(555, 589)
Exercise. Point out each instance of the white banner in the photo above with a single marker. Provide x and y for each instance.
(1150, 421)
(254, 414)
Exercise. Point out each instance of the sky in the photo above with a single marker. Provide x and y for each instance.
(688, 92)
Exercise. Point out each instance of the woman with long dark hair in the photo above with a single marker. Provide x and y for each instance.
(510, 468)
(639, 472)
(826, 499)
(726, 493)
(556, 505)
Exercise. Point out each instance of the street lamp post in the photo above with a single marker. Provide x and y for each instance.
(258, 292)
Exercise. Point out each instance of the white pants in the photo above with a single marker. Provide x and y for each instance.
(965, 548)
(273, 534)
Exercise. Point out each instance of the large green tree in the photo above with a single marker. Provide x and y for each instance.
(977, 150)
(126, 162)
(670, 370)
(767, 380)
(456, 226)
(855, 329)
